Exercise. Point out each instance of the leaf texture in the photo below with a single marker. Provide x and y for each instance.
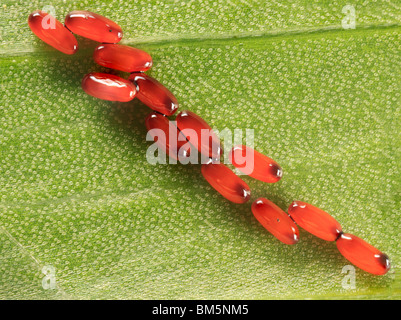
(77, 193)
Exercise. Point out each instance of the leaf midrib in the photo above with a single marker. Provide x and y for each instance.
(188, 38)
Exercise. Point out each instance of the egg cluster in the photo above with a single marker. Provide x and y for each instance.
(162, 101)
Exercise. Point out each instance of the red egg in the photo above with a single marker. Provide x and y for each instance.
(168, 137)
(255, 164)
(315, 220)
(363, 254)
(200, 134)
(93, 26)
(226, 182)
(50, 30)
(123, 58)
(152, 93)
(108, 87)
(275, 220)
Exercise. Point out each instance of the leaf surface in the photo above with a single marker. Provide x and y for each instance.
(77, 193)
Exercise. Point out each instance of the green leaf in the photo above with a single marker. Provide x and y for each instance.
(77, 194)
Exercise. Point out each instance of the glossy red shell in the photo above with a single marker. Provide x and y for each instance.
(363, 254)
(108, 87)
(123, 58)
(93, 26)
(226, 182)
(193, 127)
(170, 145)
(315, 220)
(275, 220)
(255, 164)
(152, 93)
(55, 35)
